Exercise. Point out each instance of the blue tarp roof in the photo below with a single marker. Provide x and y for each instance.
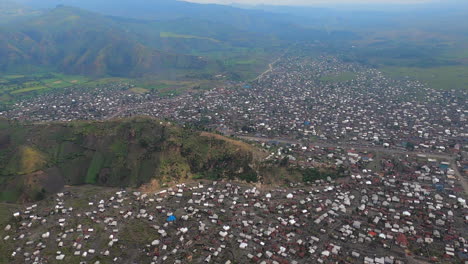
(171, 218)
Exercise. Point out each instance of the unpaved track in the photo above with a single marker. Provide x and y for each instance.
(270, 68)
(441, 156)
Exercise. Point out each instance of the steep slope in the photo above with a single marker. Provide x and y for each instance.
(278, 24)
(150, 38)
(81, 42)
(40, 159)
(169, 10)
(10, 10)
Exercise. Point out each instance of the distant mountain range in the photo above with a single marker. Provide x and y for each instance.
(169, 10)
(81, 42)
(134, 38)
(137, 38)
(11, 11)
(75, 41)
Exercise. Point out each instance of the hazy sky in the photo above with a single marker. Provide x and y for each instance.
(309, 2)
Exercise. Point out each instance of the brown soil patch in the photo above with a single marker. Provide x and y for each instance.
(242, 145)
(152, 186)
(50, 180)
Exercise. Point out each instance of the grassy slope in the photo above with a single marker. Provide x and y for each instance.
(175, 35)
(81, 42)
(443, 77)
(440, 61)
(38, 159)
(425, 43)
(341, 77)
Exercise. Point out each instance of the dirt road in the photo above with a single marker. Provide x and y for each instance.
(440, 156)
(270, 68)
(324, 144)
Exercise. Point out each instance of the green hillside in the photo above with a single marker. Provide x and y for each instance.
(40, 159)
(80, 42)
(10, 10)
(74, 41)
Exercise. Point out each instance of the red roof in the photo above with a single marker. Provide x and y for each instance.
(402, 240)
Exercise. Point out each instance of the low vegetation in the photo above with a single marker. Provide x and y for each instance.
(341, 77)
(443, 77)
(175, 35)
(40, 159)
(15, 87)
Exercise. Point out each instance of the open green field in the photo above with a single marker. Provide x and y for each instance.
(241, 64)
(9, 196)
(104, 81)
(29, 89)
(172, 88)
(341, 77)
(158, 86)
(17, 87)
(444, 77)
(139, 90)
(456, 54)
(72, 79)
(13, 87)
(232, 62)
(11, 77)
(175, 35)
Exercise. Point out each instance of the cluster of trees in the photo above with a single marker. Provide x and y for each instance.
(313, 174)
